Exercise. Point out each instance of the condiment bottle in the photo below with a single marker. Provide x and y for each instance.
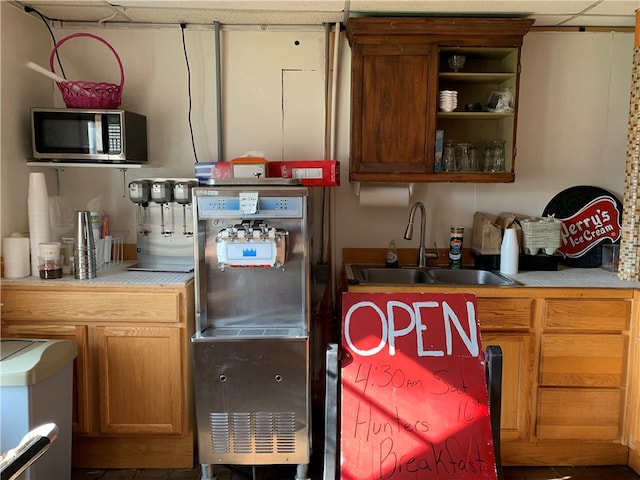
(455, 247)
(392, 256)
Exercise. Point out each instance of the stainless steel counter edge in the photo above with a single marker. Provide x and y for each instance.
(115, 275)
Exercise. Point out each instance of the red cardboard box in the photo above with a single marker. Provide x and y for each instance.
(312, 173)
(212, 170)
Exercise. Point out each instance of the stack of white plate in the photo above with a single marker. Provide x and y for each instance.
(448, 100)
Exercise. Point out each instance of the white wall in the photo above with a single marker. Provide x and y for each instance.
(19, 90)
(574, 103)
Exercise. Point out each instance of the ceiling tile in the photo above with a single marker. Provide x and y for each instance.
(600, 21)
(292, 12)
(503, 7)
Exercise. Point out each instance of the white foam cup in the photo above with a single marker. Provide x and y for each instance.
(49, 250)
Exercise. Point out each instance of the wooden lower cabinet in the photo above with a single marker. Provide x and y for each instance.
(516, 373)
(632, 419)
(508, 323)
(578, 404)
(140, 363)
(133, 375)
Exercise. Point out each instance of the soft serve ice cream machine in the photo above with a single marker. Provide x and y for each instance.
(251, 346)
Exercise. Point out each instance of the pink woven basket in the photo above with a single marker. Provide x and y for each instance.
(79, 94)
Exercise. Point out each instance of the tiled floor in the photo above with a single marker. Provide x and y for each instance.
(288, 472)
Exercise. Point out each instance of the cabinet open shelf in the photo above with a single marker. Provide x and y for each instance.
(475, 77)
(475, 115)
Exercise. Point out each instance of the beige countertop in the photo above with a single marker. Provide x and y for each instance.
(114, 275)
(566, 277)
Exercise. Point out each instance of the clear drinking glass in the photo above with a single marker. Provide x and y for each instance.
(464, 161)
(473, 157)
(449, 156)
(498, 155)
(487, 158)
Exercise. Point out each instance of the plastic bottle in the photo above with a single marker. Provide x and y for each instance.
(509, 251)
(392, 255)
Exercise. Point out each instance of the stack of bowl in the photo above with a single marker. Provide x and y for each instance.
(448, 100)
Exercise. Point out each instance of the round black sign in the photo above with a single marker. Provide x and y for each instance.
(591, 216)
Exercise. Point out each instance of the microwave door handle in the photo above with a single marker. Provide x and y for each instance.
(99, 143)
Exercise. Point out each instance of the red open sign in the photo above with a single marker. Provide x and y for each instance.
(414, 399)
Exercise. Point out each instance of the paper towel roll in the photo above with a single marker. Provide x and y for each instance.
(15, 252)
(384, 195)
(38, 209)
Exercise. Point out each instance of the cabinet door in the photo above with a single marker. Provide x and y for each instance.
(81, 404)
(141, 382)
(516, 382)
(632, 419)
(506, 322)
(393, 108)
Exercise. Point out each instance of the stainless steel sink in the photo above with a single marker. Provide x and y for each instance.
(364, 274)
(386, 276)
(470, 277)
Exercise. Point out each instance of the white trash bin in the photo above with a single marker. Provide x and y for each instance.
(36, 387)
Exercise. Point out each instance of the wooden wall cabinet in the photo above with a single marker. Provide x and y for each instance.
(132, 377)
(398, 67)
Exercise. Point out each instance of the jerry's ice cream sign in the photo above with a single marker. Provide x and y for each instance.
(590, 217)
(591, 225)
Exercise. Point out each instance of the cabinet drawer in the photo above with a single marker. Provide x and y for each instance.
(583, 360)
(504, 314)
(586, 314)
(579, 414)
(49, 306)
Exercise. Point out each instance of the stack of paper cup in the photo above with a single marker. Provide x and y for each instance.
(448, 100)
(38, 209)
(15, 251)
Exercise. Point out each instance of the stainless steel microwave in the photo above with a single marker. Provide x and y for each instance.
(93, 136)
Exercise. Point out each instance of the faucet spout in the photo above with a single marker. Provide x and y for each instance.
(423, 255)
(408, 234)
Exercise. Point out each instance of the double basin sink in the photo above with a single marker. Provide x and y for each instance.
(366, 274)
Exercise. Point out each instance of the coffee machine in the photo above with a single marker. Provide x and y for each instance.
(164, 224)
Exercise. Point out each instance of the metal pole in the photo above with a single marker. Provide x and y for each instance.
(218, 90)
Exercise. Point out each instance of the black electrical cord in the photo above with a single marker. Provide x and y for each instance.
(186, 61)
(238, 472)
(53, 38)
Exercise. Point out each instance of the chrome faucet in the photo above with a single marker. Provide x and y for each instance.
(408, 234)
